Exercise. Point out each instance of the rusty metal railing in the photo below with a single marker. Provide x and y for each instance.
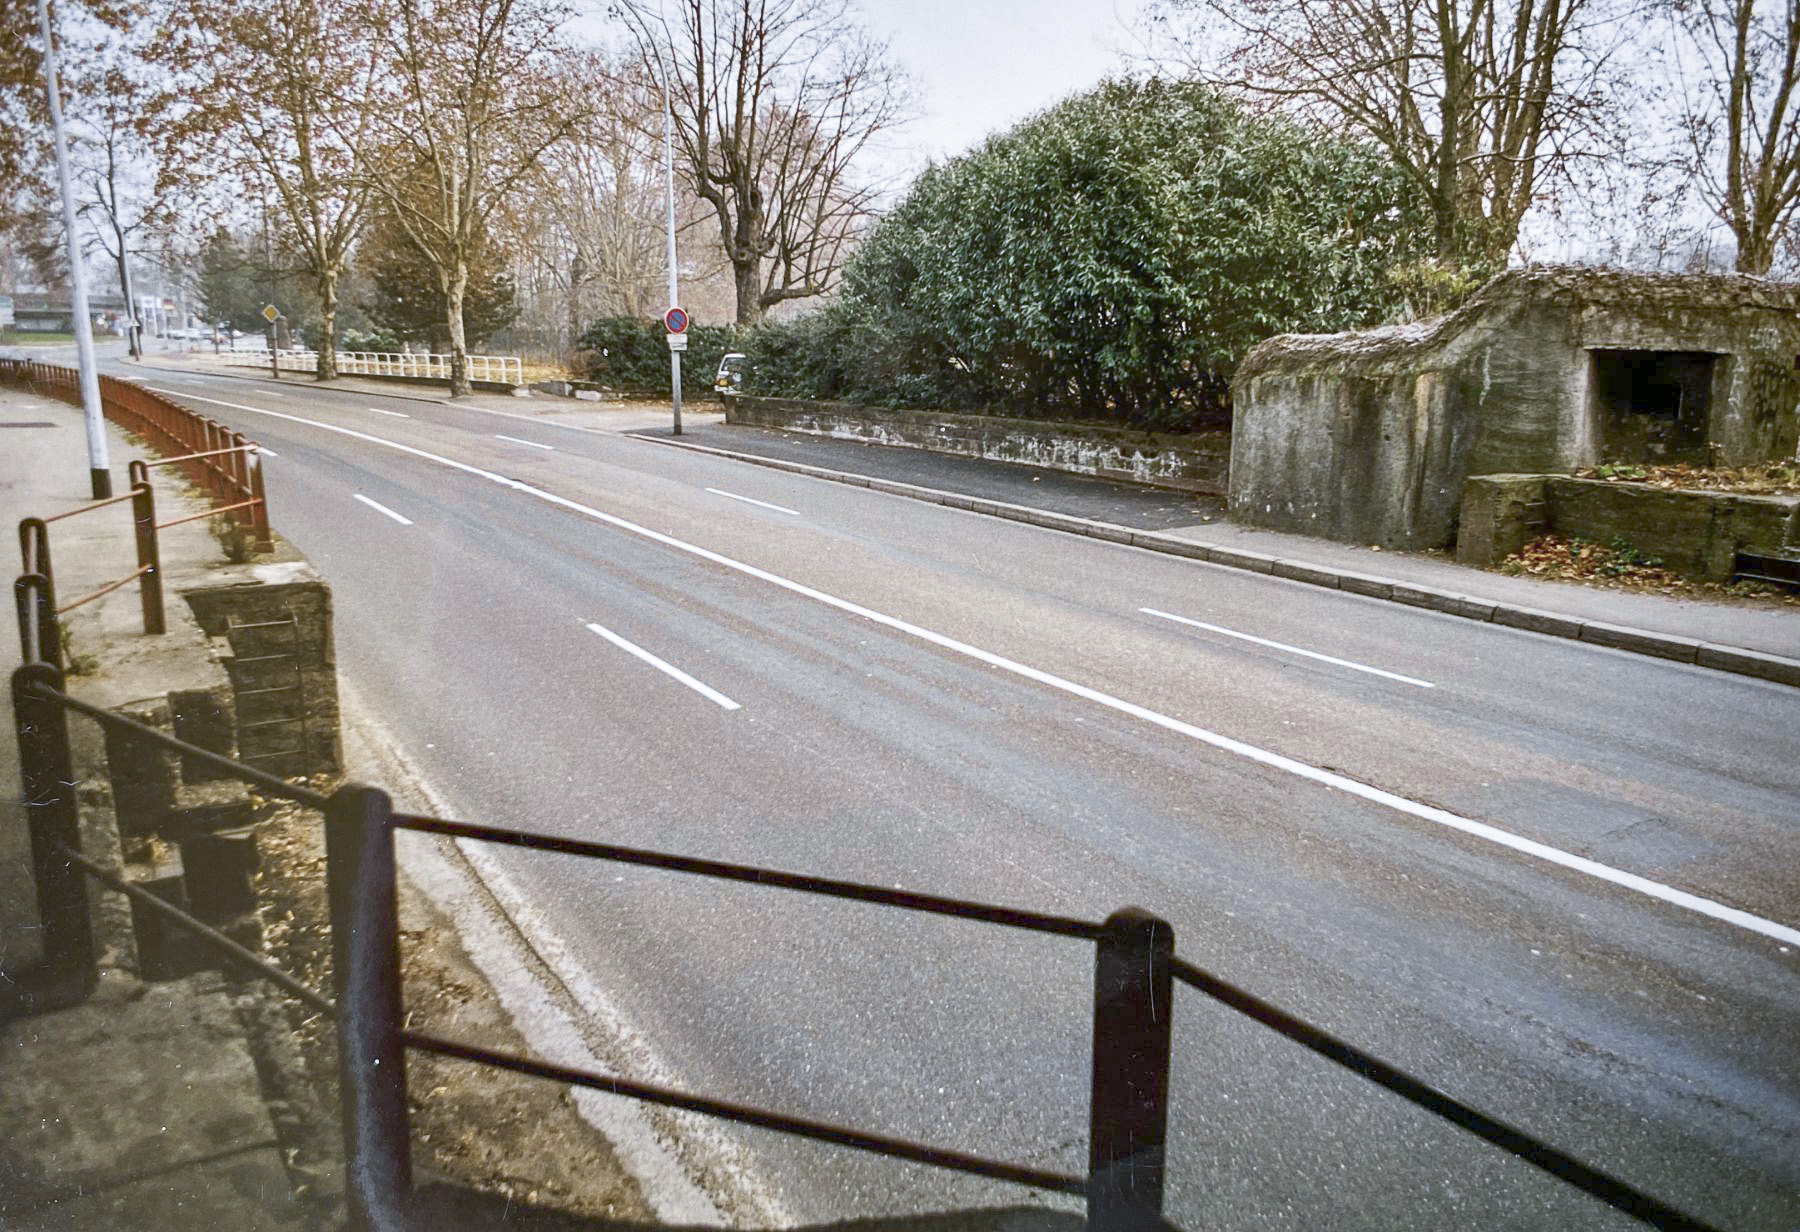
(223, 463)
(35, 589)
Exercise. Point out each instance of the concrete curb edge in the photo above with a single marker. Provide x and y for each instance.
(1733, 659)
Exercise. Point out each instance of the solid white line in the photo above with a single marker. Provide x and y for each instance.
(668, 668)
(378, 507)
(1734, 916)
(515, 440)
(1311, 654)
(375, 410)
(266, 452)
(752, 501)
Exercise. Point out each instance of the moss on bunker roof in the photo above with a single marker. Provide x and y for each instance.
(1569, 286)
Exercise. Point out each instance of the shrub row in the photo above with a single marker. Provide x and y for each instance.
(631, 355)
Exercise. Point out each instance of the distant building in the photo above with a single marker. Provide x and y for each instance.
(47, 312)
(1368, 437)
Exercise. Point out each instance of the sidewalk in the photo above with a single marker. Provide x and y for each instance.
(140, 1108)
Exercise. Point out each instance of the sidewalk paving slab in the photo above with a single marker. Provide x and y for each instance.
(139, 1111)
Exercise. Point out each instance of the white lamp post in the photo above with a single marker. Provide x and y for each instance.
(78, 297)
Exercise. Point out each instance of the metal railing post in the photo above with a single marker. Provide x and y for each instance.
(1129, 1114)
(34, 546)
(259, 512)
(47, 774)
(143, 517)
(365, 947)
(40, 640)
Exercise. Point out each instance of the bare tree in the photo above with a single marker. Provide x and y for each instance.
(773, 100)
(476, 96)
(124, 197)
(1739, 63)
(607, 212)
(1476, 99)
(285, 99)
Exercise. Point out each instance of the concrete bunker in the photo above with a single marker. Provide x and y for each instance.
(1368, 437)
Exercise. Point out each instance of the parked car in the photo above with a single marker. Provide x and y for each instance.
(733, 367)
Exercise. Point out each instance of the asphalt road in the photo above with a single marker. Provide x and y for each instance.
(1555, 881)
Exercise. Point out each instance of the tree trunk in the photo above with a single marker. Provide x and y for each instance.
(748, 276)
(1756, 253)
(326, 368)
(455, 281)
(133, 335)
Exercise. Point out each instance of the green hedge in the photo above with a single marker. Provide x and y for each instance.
(1110, 259)
(631, 355)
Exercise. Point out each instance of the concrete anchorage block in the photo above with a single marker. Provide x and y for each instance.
(220, 872)
(143, 773)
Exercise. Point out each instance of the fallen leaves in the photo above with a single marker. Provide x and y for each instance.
(1779, 477)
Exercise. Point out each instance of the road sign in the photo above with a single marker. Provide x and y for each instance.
(271, 313)
(678, 342)
(676, 319)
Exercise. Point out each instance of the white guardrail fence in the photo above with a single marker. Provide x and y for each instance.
(508, 369)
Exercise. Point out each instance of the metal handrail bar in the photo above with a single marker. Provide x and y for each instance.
(207, 513)
(1534, 1151)
(249, 774)
(206, 932)
(105, 590)
(87, 508)
(929, 903)
(149, 464)
(818, 1131)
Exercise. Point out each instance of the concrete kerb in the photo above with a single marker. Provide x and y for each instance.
(1735, 660)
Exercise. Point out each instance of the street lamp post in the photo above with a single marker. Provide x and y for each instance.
(98, 472)
(674, 291)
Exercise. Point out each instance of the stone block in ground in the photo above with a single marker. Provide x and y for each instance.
(203, 808)
(143, 772)
(220, 870)
(203, 717)
(166, 951)
(1500, 514)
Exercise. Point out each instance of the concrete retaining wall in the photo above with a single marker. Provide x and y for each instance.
(1696, 533)
(1194, 463)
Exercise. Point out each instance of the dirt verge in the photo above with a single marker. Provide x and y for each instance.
(518, 1139)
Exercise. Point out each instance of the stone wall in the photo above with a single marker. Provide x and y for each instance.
(1695, 533)
(1195, 463)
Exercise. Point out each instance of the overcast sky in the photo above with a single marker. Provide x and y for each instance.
(981, 66)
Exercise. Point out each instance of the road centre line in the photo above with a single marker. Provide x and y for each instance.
(669, 669)
(752, 501)
(1734, 916)
(375, 410)
(515, 440)
(378, 507)
(1311, 654)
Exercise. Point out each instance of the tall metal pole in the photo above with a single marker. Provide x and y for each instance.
(78, 297)
(674, 291)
